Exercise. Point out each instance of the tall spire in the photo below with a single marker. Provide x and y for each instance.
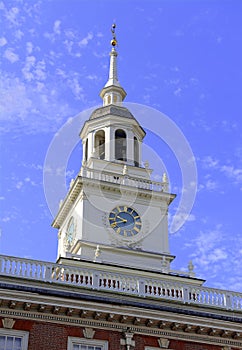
(113, 93)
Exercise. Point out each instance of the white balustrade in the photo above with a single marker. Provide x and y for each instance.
(124, 179)
(92, 278)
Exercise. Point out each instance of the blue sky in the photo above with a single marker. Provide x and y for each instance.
(183, 58)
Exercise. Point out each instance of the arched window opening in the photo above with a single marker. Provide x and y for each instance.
(109, 99)
(115, 98)
(120, 145)
(100, 144)
(86, 149)
(70, 232)
(136, 152)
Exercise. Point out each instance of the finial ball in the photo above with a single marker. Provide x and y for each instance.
(113, 42)
(113, 25)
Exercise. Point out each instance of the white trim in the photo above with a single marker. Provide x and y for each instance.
(14, 333)
(84, 341)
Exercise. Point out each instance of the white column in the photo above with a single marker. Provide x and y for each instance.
(130, 147)
(140, 152)
(107, 144)
(83, 149)
(111, 144)
(90, 144)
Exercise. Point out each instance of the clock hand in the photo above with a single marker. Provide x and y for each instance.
(119, 217)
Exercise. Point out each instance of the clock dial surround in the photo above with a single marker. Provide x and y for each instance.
(125, 221)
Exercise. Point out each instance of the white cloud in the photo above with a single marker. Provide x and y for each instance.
(76, 87)
(10, 55)
(29, 47)
(230, 171)
(56, 27)
(18, 34)
(6, 219)
(178, 91)
(15, 102)
(209, 162)
(22, 108)
(207, 247)
(29, 64)
(56, 31)
(175, 69)
(3, 41)
(182, 216)
(217, 254)
(69, 45)
(33, 70)
(214, 253)
(92, 77)
(19, 185)
(12, 14)
(85, 40)
(40, 70)
(208, 185)
(100, 55)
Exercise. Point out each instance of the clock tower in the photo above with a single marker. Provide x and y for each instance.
(114, 213)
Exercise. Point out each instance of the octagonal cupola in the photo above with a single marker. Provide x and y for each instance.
(112, 137)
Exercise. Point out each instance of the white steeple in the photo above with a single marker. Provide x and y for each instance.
(114, 213)
(113, 93)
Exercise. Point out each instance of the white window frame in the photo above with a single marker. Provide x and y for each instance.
(15, 333)
(84, 341)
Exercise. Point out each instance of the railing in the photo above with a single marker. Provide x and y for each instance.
(92, 278)
(124, 180)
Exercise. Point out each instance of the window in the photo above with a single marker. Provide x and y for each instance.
(70, 233)
(13, 340)
(86, 344)
(100, 144)
(120, 145)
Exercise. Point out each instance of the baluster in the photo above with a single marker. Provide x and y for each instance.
(12, 267)
(3, 264)
(21, 268)
(15, 267)
(34, 270)
(41, 272)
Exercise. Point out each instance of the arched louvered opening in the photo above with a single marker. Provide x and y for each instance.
(100, 144)
(70, 232)
(120, 145)
(86, 149)
(136, 152)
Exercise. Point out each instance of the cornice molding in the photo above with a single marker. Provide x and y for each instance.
(121, 327)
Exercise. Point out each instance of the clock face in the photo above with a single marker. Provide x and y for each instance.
(125, 221)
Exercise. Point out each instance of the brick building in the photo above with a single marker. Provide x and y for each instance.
(112, 287)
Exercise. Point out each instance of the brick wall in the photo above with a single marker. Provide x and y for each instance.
(44, 336)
